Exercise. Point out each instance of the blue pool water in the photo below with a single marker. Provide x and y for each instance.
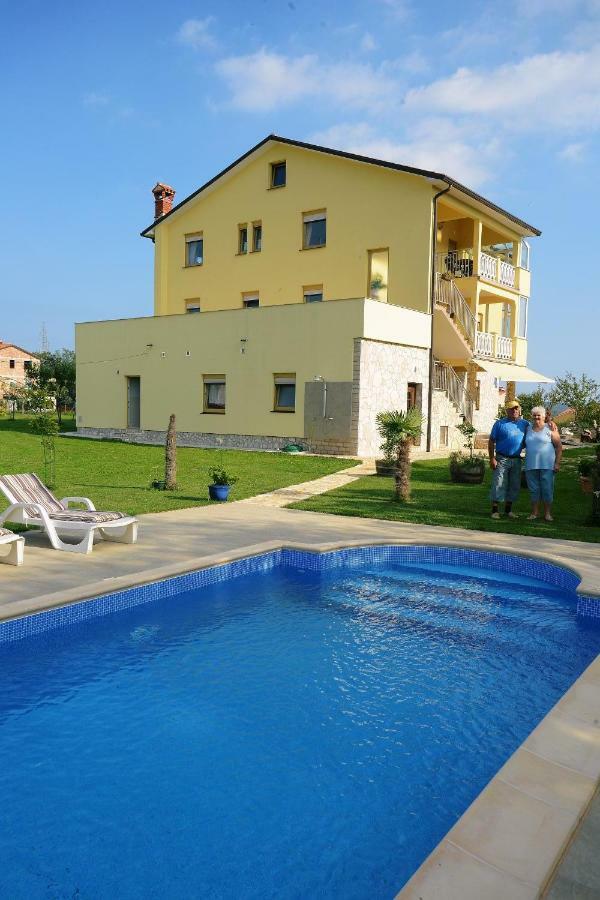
(290, 734)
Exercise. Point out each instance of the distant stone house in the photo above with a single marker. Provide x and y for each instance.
(14, 363)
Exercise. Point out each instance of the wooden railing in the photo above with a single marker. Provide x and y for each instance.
(445, 378)
(448, 295)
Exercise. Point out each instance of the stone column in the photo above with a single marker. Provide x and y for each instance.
(511, 391)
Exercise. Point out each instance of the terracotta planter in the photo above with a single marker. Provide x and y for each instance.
(586, 484)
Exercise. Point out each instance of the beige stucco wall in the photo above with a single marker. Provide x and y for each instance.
(172, 353)
(368, 207)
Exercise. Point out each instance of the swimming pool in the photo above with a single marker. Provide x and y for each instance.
(312, 726)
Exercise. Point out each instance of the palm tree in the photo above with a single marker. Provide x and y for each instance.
(171, 456)
(399, 430)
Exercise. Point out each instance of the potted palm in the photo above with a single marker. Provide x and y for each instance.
(467, 468)
(398, 431)
(222, 482)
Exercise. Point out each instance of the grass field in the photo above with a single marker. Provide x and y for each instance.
(117, 475)
(436, 501)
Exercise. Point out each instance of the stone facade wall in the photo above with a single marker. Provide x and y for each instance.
(445, 414)
(489, 399)
(194, 439)
(382, 373)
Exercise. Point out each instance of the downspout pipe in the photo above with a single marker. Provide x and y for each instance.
(432, 309)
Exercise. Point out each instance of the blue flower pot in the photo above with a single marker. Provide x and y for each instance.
(219, 491)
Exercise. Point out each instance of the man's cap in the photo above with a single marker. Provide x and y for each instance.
(512, 404)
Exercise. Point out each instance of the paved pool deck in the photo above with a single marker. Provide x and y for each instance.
(510, 841)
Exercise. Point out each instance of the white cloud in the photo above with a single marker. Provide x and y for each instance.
(574, 153)
(367, 43)
(546, 91)
(434, 144)
(400, 9)
(264, 81)
(195, 33)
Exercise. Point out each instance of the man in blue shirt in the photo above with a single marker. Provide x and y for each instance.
(505, 445)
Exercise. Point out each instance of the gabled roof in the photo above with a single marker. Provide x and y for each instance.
(411, 170)
(4, 345)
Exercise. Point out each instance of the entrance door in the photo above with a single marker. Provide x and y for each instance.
(133, 402)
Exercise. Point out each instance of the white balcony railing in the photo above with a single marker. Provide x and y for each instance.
(493, 345)
(460, 264)
(504, 347)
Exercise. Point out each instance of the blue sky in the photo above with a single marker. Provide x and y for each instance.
(100, 101)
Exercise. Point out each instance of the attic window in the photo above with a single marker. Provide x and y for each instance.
(278, 174)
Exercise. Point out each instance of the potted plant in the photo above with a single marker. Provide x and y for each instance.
(399, 430)
(156, 482)
(585, 467)
(222, 482)
(467, 468)
(377, 285)
(385, 466)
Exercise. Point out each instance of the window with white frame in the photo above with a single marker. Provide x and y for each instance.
(285, 393)
(525, 255)
(192, 306)
(214, 393)
(242, 238)
(315, 229)
(522, 330)
(194, 249)
(313, 294)
(256, 237)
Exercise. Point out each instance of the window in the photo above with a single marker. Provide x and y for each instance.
(11, 364)
(378, 274)
(522, 330)
(243, 239)
(192, 306)
(250, 301)
(194, 250)
(278, 174)
(525, 254)
(313, 294)
(256, 237)
(285, 393)
(506, 320)
(443, 435)
(214, 393)
(315, 229)
(27, 364)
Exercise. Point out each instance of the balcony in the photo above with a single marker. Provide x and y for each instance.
(461, 264)
(493, 346)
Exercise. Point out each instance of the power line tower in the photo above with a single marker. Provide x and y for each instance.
(44, 345)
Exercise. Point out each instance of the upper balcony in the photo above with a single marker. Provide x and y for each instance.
(490, 265)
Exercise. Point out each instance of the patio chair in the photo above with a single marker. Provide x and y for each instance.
(15, 545)
(31, 503)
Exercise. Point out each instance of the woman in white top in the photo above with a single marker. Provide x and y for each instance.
(543, 452)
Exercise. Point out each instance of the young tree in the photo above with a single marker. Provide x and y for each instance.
(528, 401)
(55, 375)
(580, 394)
(399, 430)
(171, 456)
(44, 424)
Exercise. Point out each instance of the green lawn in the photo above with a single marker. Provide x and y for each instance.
(436, 501)
(117, 476)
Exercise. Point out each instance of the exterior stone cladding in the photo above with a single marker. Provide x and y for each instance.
(489, 400)
(382, 373)
(445, 414)
(194, 439)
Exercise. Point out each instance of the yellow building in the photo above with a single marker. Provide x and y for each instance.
(303, 290)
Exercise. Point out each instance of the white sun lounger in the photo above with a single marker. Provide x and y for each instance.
(31, 503)
(11, 548)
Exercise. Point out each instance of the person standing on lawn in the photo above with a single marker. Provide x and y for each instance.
(505, 446)
(543, 452)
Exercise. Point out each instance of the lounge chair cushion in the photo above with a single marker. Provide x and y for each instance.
(85, 515)
(4, 532)
(29, 489)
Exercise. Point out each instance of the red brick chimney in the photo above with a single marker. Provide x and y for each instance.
(163, 199)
